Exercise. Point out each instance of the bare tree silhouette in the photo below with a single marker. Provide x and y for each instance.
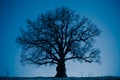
(58, 36)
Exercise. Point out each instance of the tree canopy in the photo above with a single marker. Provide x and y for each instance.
(58, 36)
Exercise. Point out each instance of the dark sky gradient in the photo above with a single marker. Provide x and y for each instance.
(104, 13)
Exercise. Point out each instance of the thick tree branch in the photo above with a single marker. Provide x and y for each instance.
(40, 63)
(85, 59)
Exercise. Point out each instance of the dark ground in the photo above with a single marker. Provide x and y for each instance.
(68, 78)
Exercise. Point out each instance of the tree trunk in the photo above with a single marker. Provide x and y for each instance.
(61, 70)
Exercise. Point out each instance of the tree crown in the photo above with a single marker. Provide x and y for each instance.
(59, 35)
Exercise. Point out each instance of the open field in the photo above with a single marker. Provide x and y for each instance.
(68, 78)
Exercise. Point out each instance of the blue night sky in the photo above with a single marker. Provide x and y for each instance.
(104, 13)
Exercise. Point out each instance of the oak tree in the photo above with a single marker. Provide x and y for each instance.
(58, 36)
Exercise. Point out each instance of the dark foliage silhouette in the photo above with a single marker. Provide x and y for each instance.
(56, 37)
